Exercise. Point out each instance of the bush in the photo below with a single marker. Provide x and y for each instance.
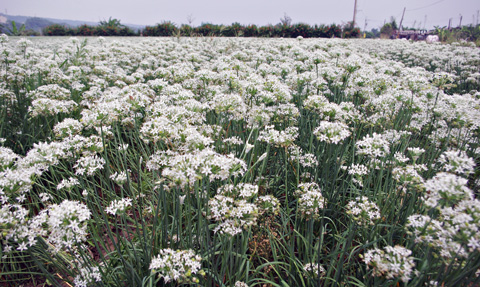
(323, 31)
(164, 29)
(186, 30)
(283, 30)
(334, 31)
(266, 31)
(235, 30)
(304, 30)
(85, 30)
(250, 31)
(466, 33)
(125, 31)
(55, 30)
(208, 29)
(349, 31)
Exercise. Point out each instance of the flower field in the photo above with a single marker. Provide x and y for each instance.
(238, 162)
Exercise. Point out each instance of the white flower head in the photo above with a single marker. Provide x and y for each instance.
(332, 132)
(310, 200)
(391, 262)
(457, 161)
(316, 269)
(363, 211)
(182, 266)
(119, 177)
(119, 206)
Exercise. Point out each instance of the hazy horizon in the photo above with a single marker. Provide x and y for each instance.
(370, 13)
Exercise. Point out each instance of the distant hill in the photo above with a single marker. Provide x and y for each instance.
(38, 23)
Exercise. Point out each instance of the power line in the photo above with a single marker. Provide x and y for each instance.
(430, 5)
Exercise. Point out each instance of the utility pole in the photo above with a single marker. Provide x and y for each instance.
(449, 23)
(403, 14)
(354, 14)
(425, 22)
(460, 25)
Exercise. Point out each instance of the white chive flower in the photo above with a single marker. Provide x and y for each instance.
(332, 132)
(363, 211)
(119, 206)
(181, 266)
(315, 269)
(391, 262)
(310, 200)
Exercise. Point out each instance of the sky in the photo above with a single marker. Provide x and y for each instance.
(370, 13)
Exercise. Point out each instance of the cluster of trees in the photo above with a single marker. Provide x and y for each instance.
(236, 29)
(112, 27)
(464, 33)
(285, 29)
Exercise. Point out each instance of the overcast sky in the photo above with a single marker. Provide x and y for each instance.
(259, 12)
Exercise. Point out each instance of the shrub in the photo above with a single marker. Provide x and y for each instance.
(85, 30)
(125, 31)
(55, 30)
(304, 30)
(266, 31)
(208, 29)
(250, 31)
(349, 31)
(164, 29)
(283, 30)
(235, 30)
(186, 30)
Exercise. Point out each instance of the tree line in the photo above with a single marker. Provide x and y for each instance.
(285, 29)
(113, 27)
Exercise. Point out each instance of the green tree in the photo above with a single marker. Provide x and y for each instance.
(14, 31)
(388, 28)
(111, 23)
(374, 33)
(186, 30)
(112, 27)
